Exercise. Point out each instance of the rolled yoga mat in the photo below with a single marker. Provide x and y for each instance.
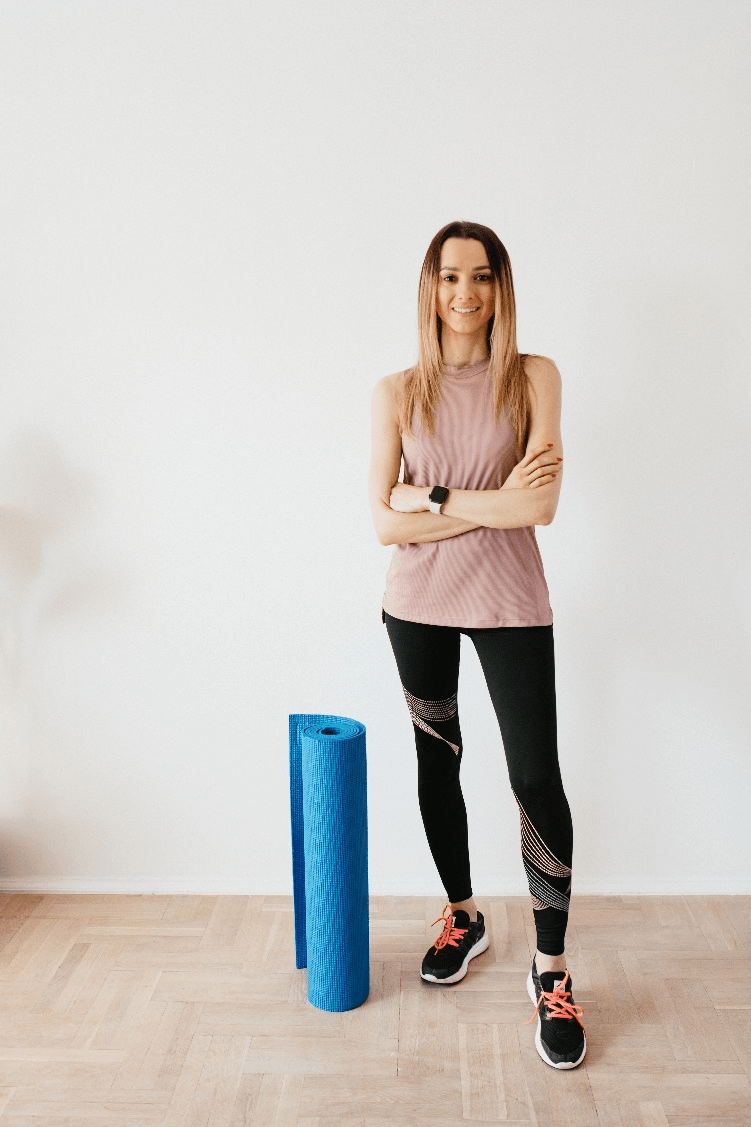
(328, 799)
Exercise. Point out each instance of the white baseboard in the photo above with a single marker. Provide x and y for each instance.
(590, 887)
(85, 886)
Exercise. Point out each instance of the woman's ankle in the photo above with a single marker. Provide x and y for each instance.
(467, 906)
(546, 963)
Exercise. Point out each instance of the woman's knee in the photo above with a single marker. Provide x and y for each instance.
(438, 766)
(536, 788)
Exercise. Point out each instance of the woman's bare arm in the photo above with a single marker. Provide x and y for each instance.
(385, 462)
(529, 495)
(410, 528)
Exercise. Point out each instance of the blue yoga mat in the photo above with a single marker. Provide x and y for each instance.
(328, 800)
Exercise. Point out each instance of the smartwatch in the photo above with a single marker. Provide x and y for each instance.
(437, 497)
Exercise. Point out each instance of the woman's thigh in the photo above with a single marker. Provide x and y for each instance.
(518, 663)
(427, 658)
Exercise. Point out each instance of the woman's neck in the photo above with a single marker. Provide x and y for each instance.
(465, 358)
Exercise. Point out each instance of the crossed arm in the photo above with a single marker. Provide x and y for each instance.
(400, 511)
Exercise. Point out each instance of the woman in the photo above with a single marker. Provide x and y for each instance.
(466, 561)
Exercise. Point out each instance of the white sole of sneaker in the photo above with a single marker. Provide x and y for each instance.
(538, 1039)
(479, 947)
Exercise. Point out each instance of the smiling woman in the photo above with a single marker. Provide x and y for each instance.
(478, 427)
(460, 287)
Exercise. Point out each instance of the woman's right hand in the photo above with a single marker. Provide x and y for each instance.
(537, 467)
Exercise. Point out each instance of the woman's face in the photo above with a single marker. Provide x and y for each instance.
(465, 282)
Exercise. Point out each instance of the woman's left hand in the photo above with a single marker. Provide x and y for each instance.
(409, 498)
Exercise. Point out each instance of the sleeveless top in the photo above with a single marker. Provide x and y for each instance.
(485, 577)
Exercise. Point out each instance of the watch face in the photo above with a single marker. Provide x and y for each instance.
(438, 493)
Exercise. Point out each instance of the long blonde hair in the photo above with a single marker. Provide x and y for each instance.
(422, 383)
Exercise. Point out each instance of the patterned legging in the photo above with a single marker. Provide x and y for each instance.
(519, 667)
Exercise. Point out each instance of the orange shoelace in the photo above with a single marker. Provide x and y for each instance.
(450, 934)
(557, 1005)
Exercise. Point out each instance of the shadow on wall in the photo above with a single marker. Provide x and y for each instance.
(46, 579)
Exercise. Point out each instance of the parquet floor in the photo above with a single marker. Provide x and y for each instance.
(186, 1011)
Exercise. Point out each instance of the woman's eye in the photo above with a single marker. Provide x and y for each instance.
(480, 277)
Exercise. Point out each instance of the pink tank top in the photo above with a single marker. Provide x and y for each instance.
(485, 577)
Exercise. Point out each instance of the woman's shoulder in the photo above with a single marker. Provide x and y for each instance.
(392, 386)
(394, 381)
(539, 367)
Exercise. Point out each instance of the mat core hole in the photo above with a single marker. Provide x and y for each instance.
(329, 731)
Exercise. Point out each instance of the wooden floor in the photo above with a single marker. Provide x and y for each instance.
(186, 1011)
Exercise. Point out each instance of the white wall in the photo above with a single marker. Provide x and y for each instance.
(214, 216)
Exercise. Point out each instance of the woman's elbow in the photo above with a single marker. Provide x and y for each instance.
(383, 529)
(383, 524)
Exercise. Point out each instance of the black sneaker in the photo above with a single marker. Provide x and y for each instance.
(448, 958)
(560, 1038)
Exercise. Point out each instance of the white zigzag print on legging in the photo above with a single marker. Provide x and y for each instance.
(535, 852)
(422, 710)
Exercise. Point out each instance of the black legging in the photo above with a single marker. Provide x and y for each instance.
(519, 667)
